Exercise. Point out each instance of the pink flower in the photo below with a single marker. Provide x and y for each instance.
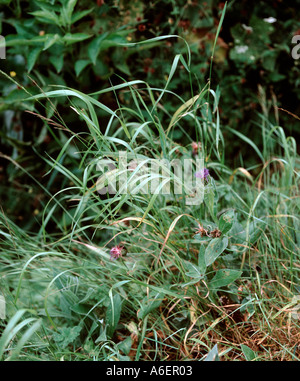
(203, 174)
(116, 252)
(195, 147)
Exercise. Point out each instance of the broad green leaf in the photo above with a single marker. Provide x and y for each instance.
(226, 221)
(214, 249)
(150, 303)
(249, 354)
(261, 29)
(57, 79)
(237, 234)
(81, 65)
(101, 69)
(193, 270)
(224, 277)
(57, 62)
(66, 335)
(213, 355)
(275, 77)
(269, 60)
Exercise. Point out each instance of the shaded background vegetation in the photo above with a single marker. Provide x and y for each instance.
(77, 44)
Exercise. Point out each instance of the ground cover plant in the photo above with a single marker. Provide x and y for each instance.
(90, 271)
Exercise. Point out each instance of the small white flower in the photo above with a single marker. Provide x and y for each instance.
(241, 49)
(270, 20)
(247, 28)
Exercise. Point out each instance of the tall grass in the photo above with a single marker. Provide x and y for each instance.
(66, 299)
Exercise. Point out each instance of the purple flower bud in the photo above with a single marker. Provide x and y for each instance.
(203, 174)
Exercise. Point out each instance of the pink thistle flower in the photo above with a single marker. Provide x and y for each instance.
(195, 147)
(116, 252)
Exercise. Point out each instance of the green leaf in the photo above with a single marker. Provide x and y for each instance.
(249, 354)
(238, 234)
(14, 96)
(101, 69)
(66, 335)
(125, 345)
(81, 309)
(75, 37)
(201, 259)
(214, 249)
(213, 355)
(226, 221)
(81, 65)
(101, 337)
(248, 306)
(57, 61)
(106, 41)
(57, 79)
(32, 57)
(223, 278)
(79, 15)
(95, 47)
(2, 307)
(209, 198)
(67, 11)
(113, 314)
(47, 17)
(50, 40)
(205, 238)
(123, 67)
(150, 303)
(192, 270)
(269, 60)
(275, 77)
(261, 29)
